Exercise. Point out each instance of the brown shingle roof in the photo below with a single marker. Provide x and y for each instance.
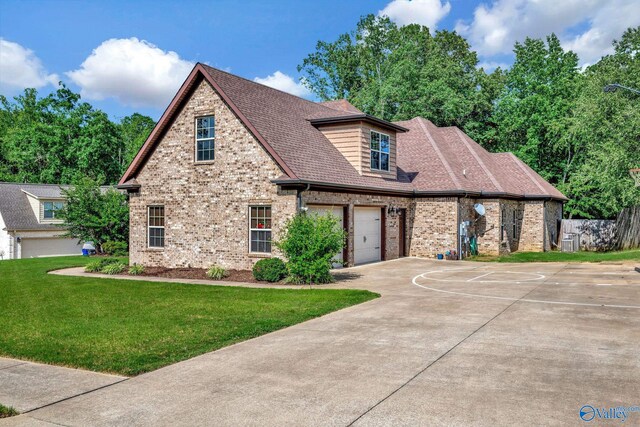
(430, 160)
(341, 105)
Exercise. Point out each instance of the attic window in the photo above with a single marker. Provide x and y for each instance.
(49, 209)
(205, 138)
(379, 151)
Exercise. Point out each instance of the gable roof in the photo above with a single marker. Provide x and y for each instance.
(430, 160)
(16, 210)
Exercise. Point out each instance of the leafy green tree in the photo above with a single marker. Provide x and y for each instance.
(59, 139)
(310, 243)
(134, 130)
(397, 73)
(605, 130)
(94, 214)
(532, 115)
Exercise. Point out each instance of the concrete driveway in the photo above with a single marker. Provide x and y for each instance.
(447, 344)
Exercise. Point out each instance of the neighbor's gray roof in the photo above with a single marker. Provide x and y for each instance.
(16, 210)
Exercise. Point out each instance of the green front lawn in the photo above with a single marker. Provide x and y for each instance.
(6, 412)
(129, 327)
(562, 256)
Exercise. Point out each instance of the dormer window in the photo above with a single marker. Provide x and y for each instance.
(205, 139)
(49, 209)
(379, 151)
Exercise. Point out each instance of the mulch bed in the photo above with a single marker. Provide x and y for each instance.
(245, 276)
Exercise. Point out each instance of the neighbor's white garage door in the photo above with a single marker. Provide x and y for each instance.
(367, 234)
(32, 248)
(336, 211)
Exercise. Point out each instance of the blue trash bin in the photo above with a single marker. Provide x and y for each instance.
(85, 252)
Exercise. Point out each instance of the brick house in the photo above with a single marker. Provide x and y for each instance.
(231, 160)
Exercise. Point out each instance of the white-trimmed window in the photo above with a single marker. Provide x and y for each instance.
(260, 229)
(379, 151)
(49, 209)
(155, 226)
(205, 139)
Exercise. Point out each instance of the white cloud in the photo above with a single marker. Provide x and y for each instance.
(497, 26)
(283, 82)
(423, 12)
(20, 68)
(134, 72)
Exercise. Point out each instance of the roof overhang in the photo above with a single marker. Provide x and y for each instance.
(347, 188)
(357, 118)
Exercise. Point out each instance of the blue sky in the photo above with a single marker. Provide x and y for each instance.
(118, 53)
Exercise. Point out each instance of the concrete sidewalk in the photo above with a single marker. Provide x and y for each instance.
(27, 386)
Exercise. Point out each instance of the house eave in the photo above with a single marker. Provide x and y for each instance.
(348, 188)
(357, 118)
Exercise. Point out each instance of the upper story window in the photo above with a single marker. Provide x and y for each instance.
(379, 151)
(49, 209)
(205, 138)
(155, 237)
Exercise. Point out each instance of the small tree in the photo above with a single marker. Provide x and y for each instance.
(310, 243)
(91, 214)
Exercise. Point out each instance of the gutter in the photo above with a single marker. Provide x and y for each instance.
(410, 193)
(299, 196)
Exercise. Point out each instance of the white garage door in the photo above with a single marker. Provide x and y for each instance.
(33, 248)
(367, 235)
(336, 211)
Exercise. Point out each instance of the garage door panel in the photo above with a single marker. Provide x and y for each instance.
(40, 247)
(367, 234)
(337, 211)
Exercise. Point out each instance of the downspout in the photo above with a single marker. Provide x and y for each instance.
(299, 197)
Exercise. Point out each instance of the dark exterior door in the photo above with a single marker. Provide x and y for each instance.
(402, 238)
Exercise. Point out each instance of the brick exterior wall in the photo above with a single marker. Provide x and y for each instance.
(206, 204)
(532, 234)
(433, 227)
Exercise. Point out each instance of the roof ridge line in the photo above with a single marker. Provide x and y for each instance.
(527, 172)
(444, 161)
(478, 159)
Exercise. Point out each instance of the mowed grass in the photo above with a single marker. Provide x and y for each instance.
(130, 327)
(7, 411)
(555, 256)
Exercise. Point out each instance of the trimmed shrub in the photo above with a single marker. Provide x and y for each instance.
(115, 248)
(115, 268)
(216, 272)
(97, 265)
(136, 269)
(309, 244)
(270, 270)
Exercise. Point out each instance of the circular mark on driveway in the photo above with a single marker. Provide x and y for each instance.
(426, 276)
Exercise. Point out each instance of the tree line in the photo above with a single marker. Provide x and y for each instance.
(545, 109)
(58, 139)
(548, 111)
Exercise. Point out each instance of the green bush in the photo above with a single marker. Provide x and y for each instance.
(270, 270)
(310, 243)
(97, 265)
(136, 269)
(114, 268)
(115, 248)
(216, 272)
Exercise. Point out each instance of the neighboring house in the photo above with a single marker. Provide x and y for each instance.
(231, 160)
(29, 226)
